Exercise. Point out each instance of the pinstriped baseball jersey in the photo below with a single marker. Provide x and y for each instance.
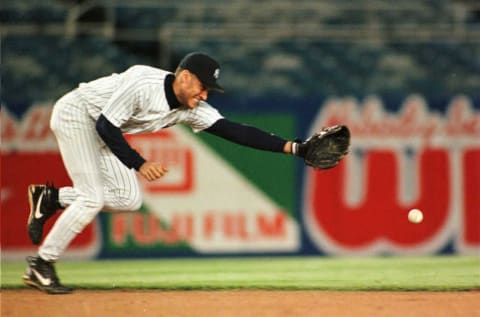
(135, 102)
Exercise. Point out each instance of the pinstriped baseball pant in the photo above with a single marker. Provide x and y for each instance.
(100, 180)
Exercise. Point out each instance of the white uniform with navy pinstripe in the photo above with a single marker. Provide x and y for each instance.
(133, 101)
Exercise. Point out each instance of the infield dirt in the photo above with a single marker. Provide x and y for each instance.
(32, 303)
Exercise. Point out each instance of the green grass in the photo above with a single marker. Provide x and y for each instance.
(296, 273)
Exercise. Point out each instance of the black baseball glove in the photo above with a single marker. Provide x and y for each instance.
(325, 149)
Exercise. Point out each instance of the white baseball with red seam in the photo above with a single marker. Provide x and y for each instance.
(415, 215)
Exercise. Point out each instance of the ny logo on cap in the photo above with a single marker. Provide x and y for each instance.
(216, 74)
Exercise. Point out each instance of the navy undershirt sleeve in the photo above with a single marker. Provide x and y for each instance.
(247, 135)
(114, 139)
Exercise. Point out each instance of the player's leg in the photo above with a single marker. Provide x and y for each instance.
(120, 187)
(122, 191)
(45, 200)
(79, 146)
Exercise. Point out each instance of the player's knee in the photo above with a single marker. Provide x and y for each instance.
(93, 201)
(133, 201)
(90, 205)
(133, 198)
(136, 204)
(96, 203)
(125, 200)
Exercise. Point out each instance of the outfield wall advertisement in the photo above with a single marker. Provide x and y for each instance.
(223, 199)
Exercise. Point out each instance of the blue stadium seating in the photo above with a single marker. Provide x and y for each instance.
(43, 67)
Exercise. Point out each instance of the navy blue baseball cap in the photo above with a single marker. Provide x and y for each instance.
(204, 67)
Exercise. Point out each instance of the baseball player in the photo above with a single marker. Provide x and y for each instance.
(89, 123)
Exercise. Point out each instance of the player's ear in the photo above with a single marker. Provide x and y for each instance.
(184, 76)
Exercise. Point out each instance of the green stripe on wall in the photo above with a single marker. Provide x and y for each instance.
(272, 173)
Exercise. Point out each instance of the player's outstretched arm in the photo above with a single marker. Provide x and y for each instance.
(322, 150)
(249, 136)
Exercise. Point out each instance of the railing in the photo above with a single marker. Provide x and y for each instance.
(261, 21)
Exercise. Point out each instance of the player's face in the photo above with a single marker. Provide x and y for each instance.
(193, 91)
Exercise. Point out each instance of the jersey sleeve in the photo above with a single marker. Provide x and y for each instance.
(202, 117)
(247, 135)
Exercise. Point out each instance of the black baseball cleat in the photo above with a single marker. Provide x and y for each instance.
(43, 201)
(41, 274)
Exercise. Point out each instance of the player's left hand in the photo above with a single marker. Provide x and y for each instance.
(152, 171)
(325, 149)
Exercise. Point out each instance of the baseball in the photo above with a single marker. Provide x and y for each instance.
(415, 216)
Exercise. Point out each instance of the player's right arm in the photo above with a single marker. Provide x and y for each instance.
(114, 139)
(152, 170)
(119, 109)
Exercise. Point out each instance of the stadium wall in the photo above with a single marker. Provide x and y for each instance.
(221, 199)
